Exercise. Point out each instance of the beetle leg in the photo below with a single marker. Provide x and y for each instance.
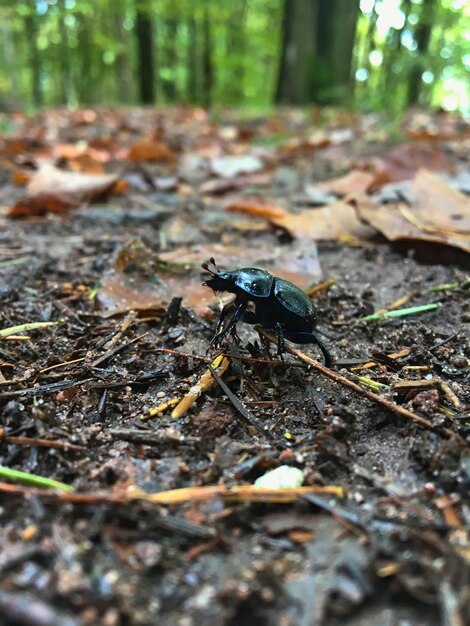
(250, 318)
(280, 340)
(300, 337)
(231, 326)
(220, 321)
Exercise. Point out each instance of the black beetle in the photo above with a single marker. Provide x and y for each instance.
(279, 305)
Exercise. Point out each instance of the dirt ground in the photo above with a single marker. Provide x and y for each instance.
(395, 549)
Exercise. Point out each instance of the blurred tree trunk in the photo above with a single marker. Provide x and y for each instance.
(34, 58)
(66, 86)
(369, 41)
(317, 51)
(144, 30)
(192, 93)
(336, 24)
(123, 70)
(10, 62)
(422, 36)
(236, 50)
(207, 64)
(85, 56)
(392, 51)
(298, 51)
(168, 82)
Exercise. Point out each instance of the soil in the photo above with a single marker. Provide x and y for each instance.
(394, 550)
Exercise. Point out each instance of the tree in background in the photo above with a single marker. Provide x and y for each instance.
(144, 30)
(34, 59)
(317, 51)
(372, 54)
(423, 38)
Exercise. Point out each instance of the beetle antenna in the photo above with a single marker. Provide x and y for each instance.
(210, 267)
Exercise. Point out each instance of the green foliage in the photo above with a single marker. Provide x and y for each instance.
(84, 52)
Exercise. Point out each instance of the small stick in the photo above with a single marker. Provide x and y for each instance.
(113, 351)
(247, 415)
(373, 397)
(53, 367)
(237, 493)
(238, 357)
(42, 443)
(321, 287)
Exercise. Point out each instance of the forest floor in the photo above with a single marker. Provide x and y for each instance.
(120, 210)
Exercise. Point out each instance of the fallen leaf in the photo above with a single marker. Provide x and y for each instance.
(403, 161)
(315, 196)
(21, 178)
(354, 182)
(220, 186)
(87, 164)
(149, 150)
(437, 207)
(119, 293)
(297, 262)
(438, 214)
(256, 209)
(434, 126)
(300, 146)
(391, 222)
(337, 221)
(300, 536)
(55, 190)
(43, 203)
(232, 166)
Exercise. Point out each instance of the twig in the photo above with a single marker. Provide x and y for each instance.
(51, 388)
(204, 382)
(238, 357)
(247, 415)
(42, 443)
(114, 350)
(324, 286)
(238, 493)
(152, 438)
(57, 365)
(373, 397)
(126, 322)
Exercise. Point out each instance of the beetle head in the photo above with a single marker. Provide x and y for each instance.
(219, 280)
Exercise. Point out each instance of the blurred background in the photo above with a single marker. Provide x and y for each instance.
(368, 54)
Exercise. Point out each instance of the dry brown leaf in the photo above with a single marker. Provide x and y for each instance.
(43, 203)
(337, 221)
(219, 186)
(149, 150)
(256, 209)
(402, 162)
(437, 207)
(300, 146)
(356, 181)
(389, 220)
(54, 190)
(298, 263)
(119, 293)
(21, 178)
(439, 214)
(87, 164)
